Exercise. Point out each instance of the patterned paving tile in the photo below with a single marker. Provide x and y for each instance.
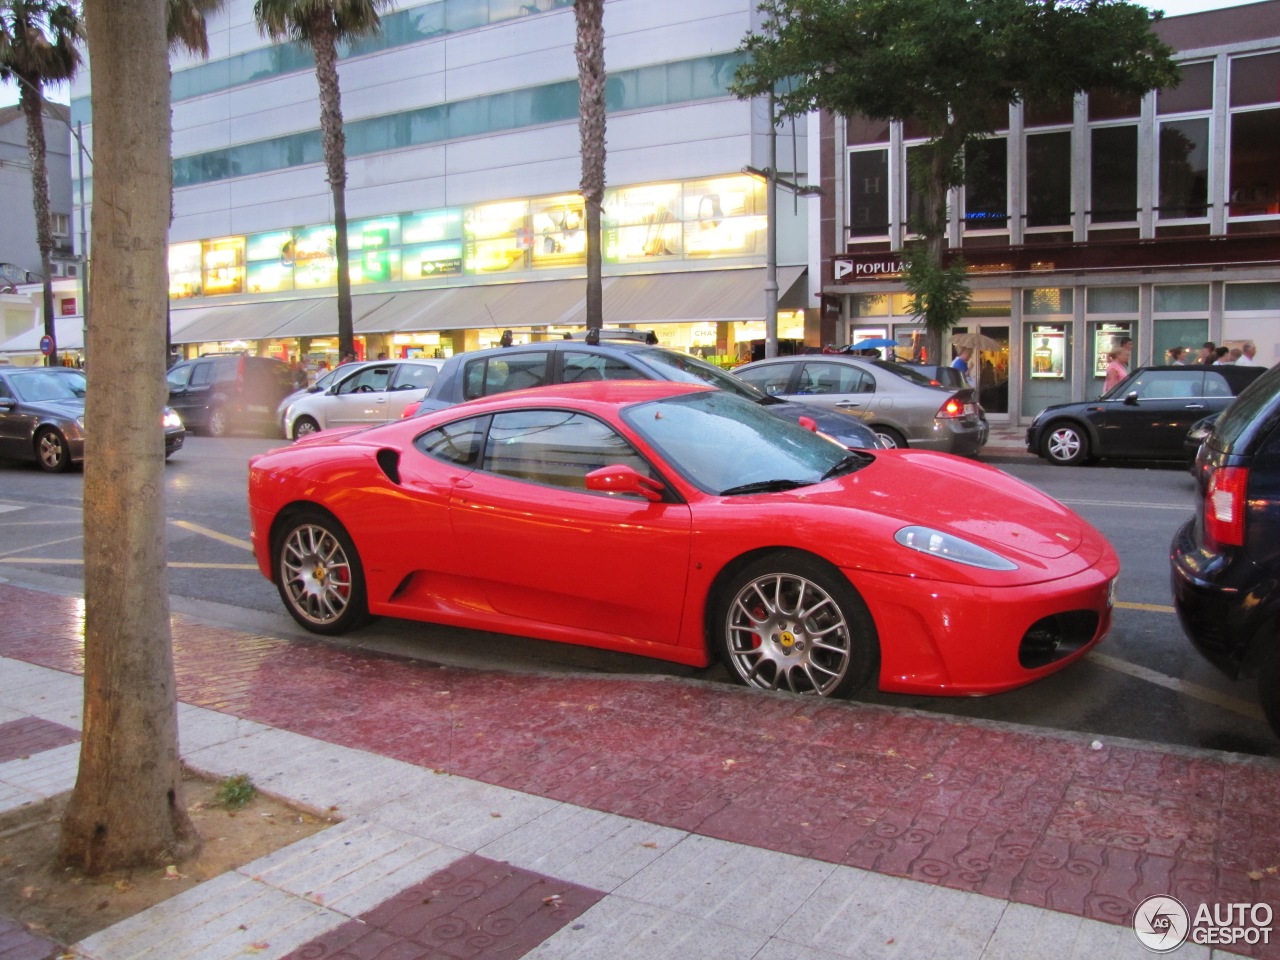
(22, 738)
(19, 943)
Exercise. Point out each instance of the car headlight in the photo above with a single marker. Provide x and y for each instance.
(171, 419)
(948, 547)
(80, 420)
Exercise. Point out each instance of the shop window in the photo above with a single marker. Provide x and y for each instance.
(1255, 80)
(986, 185)
(1113, 174)
(1188, 334)
(1186, 298)
(1195, 92)
(1111, 300)
(1253, 296)
(869, 193)
(1048, 300)
(1184, 168)
(1049, 179)
(1254, 180)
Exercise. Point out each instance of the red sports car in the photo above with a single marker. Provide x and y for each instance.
(684, 523)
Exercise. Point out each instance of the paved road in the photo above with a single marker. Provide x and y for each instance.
(1144, 682)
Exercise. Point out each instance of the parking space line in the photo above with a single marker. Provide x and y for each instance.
(1182, 687)
(47, 543)
(1187, 509)
(1148, 607)
(214, 534)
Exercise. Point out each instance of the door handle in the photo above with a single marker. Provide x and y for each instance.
(1194, 406)
(848, 403)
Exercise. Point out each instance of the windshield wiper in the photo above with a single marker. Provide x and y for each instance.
(847, 464)
(765, 486)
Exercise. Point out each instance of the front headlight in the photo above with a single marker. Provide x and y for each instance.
(80, 420)
(171, 419)
(948, 547)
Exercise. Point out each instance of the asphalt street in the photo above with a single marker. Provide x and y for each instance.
(1143, 682)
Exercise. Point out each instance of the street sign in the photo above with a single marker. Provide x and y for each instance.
(46, 344)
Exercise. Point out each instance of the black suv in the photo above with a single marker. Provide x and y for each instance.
(480, 373)
(1145, 416)
(224, 392)
(1226, 559)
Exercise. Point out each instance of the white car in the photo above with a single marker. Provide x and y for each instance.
(366, 394)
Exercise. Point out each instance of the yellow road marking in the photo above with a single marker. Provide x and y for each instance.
(1149, 607)
(222, 537)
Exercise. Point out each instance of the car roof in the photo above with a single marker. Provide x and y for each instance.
(617, 392)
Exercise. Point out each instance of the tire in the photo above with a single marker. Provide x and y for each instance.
(772, 616)
(52, 453)
(1269, 684)
(319, 575)
(304, 426)
(218, 424)
(890, 437)
(1065, 444)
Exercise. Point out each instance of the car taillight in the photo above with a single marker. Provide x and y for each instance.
(951, 409)
(1224, 507)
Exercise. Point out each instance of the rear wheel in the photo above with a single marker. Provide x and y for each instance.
(51, 451)
(1065, 444)
(304, 426)
(319, 575)
(218, 424)
(790, 622)
(889, 437)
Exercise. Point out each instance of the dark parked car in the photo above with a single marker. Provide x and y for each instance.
(42, 417)
(1197, 435)
(224, 392)
(1226, 559)
(482, 373)
(1145, 416)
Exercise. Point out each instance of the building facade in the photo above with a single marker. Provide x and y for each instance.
(463, 176)
(1154, 218)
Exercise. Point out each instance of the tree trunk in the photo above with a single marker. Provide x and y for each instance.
(324, 41)
(126, 809)
(33, 109)
(589, 50)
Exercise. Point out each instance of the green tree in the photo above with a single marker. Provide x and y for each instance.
(589, 50)
(38, 47)
(951, 67)
(126, 809)
(322, 25)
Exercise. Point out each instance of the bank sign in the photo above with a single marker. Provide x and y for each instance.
(879, 266)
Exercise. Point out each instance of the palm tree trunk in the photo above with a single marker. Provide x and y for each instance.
(33, 109)
(589, 50)
(324, 41)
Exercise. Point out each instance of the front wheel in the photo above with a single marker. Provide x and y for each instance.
(51, 451)
(790, 622)
(318, 574)
(1065, 445)
(304, 426)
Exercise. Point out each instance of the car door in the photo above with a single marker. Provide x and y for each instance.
(839, 386)
(362, 398)
(545, 549)
(16, 427)
(1151, 420)
(191, 388)
(410, 382)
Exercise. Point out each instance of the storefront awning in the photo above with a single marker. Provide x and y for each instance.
(244, 321)
(69, 332)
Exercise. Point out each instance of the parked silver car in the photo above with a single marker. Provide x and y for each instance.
(365, 394)
(903, 407)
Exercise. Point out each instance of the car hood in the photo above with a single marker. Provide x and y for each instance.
(67, 409)
(842, 427)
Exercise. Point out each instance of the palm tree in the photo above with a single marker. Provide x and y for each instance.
(589, 50)
(37, 47)
(322, 24)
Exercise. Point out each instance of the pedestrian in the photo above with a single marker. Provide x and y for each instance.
(1233, 355)
(298, 373)
(961, 363)
(1175, 356)
(1116, 369)
(382, 355)
(1247, 351)
(1208, 353)
(1220, 356)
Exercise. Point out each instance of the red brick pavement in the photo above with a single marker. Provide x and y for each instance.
(1019, 815)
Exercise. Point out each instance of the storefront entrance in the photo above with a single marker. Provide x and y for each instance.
(990, 368)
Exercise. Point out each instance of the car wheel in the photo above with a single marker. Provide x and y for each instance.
(790, 622)
(217, 425)
(1269, 684)
(890, 438)
(51, 451)
(1065, 444)
(319, 575)
(303, 426)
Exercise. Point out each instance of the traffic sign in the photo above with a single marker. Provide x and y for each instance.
(46, 344)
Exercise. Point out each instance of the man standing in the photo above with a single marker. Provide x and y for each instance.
(1247, 351)
(961, 363)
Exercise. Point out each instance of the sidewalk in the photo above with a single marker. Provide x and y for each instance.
(600, 817)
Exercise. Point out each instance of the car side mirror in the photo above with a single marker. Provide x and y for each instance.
(1131, 399)
(619, 478)
(7, 403)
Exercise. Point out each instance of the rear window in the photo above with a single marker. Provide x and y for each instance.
(1261, 399)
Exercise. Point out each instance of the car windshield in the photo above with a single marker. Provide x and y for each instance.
(727, 445)
(687, 369)
(38, 385)
(1252, 402)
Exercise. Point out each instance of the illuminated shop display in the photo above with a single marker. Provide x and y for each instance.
(1107, 337)
(1048, 351)
(719, 217)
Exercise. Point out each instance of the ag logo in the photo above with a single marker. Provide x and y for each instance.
(1161, 923)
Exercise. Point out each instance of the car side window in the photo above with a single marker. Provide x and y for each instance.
(368, 380)
(202, 374)
(460, 442)
(1215, 385)
(1168, 385)
(223, 372)
(555, 447)
(508, 371)
(771, 379)
(178, 376)
(579, 366)
(413, 376)
(820, 378)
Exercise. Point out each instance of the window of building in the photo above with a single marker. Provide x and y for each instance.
(1253, 175)
(1183, 173)
(986, 185)
(1048, 196)
(1109, 105)
(1113, 174)
(60, 224)
(1253, 297)
(1047, 301)
(1185, 298)
(1255, 80)
(868, 193)
(1195, 92)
